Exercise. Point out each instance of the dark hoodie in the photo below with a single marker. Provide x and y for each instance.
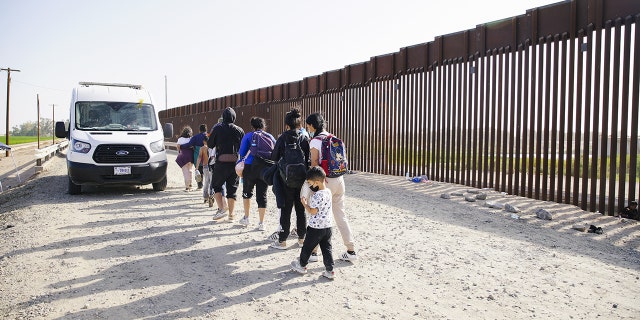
(226, 137)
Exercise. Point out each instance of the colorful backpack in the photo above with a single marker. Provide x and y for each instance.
(334, 156)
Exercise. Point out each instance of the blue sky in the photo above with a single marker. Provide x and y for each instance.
(207, 48)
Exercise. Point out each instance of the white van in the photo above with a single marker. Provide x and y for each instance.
(115, 137)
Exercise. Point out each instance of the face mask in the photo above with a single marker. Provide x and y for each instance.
(314, 189)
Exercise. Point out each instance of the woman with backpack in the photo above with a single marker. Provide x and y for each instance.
(291, 155)
(316, 127)
(255, 147)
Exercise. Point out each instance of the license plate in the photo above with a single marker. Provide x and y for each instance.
(119, 171)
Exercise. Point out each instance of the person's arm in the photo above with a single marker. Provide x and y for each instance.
(201, 156)
(314, 153)
(244, 145)
(277, 152)
(312, 211)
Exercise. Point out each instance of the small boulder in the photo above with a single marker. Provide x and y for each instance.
(457, 194)
(495, 205)
(470, 199)
(544, 214)
(473, 191)
(445, 196)
(510, 208)
(481, 196)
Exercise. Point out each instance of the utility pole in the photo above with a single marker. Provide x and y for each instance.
(38, 96)
(6, 137)
(53, 124)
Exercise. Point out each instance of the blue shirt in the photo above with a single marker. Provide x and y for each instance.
(246, 143)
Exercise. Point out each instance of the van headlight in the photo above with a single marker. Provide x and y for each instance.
(80, 146)
(157, 146)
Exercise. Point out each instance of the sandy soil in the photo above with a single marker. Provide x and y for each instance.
(131, 253)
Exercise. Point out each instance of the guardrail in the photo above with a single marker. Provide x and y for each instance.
(44, 154)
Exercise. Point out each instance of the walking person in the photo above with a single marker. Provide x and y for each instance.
(185, 157)
(316, 127)
(320, 223)
(226, 139)
(203, 161)
(256, 146)
(291, 155)
(197, 141)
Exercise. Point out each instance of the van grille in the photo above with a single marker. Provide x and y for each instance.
(120, 153)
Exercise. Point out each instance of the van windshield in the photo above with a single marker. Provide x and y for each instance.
(115, 116)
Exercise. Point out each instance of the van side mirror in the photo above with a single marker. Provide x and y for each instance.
(168, 130)
(61, 130)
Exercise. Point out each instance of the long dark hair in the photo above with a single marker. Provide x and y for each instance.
(316, 120)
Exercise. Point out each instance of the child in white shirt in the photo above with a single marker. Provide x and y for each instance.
(319, 224)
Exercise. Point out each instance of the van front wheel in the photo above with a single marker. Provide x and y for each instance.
(160, 186)
(74, 188)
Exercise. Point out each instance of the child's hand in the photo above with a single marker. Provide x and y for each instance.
(303, 200)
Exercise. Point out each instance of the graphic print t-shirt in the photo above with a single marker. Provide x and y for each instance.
(321, 200)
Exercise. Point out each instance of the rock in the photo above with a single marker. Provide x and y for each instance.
(510, 208)
(474, 191)
(470, 199)
(579, 227)
(544, 215)
(493, 204)
(481, 196)
(445, 196)
(457, 194)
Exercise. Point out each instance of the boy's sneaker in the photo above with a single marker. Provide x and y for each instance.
(231, 218)
(329, 274)
(260, 226)
(244, 221)
(313, 257)
(300, 242)
(279, 245)
(220, 213)
(348, 257)
(295, 266)
(294, 232)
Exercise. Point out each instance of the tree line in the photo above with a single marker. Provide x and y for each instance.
(30, 128)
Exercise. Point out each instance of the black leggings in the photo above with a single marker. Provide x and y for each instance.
(251, 178)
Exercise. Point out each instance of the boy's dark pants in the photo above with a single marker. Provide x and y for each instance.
(313, 238)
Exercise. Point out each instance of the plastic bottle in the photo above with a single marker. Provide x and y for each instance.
(406, 176)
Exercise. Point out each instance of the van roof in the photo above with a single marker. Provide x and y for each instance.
(117, 92)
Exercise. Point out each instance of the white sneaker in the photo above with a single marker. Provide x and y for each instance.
(244, 221)
(220, 213)
(329, 274)
(260, 226)
(348, 257)
(279, 245)
(313, 257)
(295, 266)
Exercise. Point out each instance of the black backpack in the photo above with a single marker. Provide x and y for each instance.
(293, 165)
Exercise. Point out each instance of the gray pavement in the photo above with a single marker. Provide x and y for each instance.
(20, 165)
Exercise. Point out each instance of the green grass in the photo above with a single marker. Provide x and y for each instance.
(15, 140)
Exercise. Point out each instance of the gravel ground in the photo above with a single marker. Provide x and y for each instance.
(132, 253)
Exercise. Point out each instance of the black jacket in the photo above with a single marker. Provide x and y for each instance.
(226, 136)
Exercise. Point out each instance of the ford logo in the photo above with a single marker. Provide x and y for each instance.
(122, 153)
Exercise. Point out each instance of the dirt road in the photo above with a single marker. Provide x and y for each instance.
(132, 253)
